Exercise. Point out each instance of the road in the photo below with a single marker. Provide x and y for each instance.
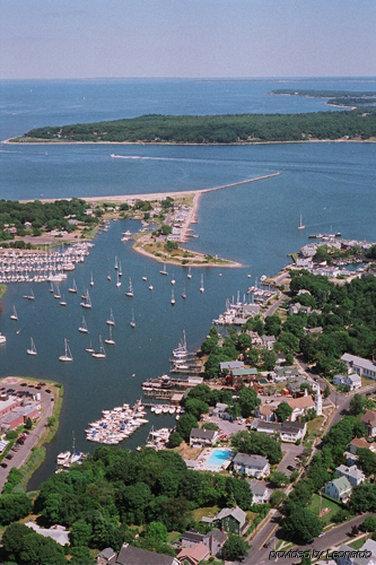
(20, 456)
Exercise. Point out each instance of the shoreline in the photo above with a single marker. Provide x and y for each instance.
(11, 141)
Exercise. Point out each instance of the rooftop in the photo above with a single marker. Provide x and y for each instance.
(254, 461)
(360, 361)
(202, 434)
(130, 555)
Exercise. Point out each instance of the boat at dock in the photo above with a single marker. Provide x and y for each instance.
(117, 424)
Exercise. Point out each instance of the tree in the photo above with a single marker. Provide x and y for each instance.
(80, 556)
(258, 443)
(174, 440)
(357, 405)
(14, 506)
(248, 401)
(185, 425)
(196, 407)
(272, 325)
(235, 548)
(369, 524)
(156, 532)
(269, 359)
(367, 461)
(283, 411)
(277, 497)
(27, 547)
(278, 479)
(363, 498)
(28, 424)
(301, 525)
(80, 533)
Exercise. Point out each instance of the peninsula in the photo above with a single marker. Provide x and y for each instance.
(349, 125)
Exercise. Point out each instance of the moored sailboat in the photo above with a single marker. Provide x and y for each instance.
(73, 288)
(14, 315)
(110, 340)
(111, 320)
(67, 357)
(130, 291)
(32, 350)
(101, 353)
(83, 327)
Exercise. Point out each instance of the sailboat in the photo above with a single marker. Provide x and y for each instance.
(32, 350)
(151, 287)
(91, 280)
(63, 301)
(83, 327)
(73, 288)
(109, 340)
(86, 303)
(29, 296)
(172, 297)
(301, 226)
(130, 292)
(184, 294)
(173, 281)
(57, 293)
(120, 269)
(118, 281)
(67, 353)
(163, 271)
(132, 323)
(51, 289)
(116, 266)
(14, 315)
(111, 320)
(189, 274)
(202, 288)
(90, 348)
(100, 354)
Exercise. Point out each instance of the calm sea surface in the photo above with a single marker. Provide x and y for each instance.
(332, 185)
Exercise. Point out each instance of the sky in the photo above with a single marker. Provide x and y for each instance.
(186, 38)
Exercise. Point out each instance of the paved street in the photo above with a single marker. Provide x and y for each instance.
(20, 456)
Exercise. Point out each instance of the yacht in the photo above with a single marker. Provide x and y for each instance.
(100, 354)
(73, 288)
(14, 315)
(32, 350)
(83, 327)
(109, 340)
(67, 357)
(130, 292)
(111, 319)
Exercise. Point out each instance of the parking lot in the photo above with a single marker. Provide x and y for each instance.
(290, 454)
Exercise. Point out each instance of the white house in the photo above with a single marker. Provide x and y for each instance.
(364, 367)
(260, 492)
(251, 465)
(202, 438)
(339, 489)
(352, 381)
(354, 475)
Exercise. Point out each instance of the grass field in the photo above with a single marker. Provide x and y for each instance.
(319, 504)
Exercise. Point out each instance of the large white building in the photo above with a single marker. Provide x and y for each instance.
(359, 365)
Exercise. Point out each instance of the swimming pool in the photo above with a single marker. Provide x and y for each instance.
(218, 459)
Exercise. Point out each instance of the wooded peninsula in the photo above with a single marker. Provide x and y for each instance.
(346, 125)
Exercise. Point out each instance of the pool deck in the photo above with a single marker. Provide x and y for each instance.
(202, 462)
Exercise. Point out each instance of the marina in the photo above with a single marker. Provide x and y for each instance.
(117, 424)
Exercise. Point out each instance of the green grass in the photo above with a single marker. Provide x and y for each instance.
(319, 503)
(173, 536)
(358, 542)
(205, 511)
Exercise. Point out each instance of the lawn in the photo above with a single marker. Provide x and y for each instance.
(357, 544)
(318, 506)
(210, 511)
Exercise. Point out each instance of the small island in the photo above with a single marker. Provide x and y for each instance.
(348, 125)
(354, 99)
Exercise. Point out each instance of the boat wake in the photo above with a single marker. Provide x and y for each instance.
(178, 159)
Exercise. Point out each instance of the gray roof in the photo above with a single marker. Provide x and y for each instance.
(194, 537)
(107, 553)
(342, 484)
(130, 555)
(237, 513)
(231, 365)
(254, 461)
(292, 427)
(359, 361)
(258, 488)
(202, 434)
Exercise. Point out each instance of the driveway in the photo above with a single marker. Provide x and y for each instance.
(290, 451)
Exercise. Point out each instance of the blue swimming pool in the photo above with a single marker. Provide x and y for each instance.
(218, 459)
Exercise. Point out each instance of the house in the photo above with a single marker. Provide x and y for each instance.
(232, 520)
(347, 556)
(350, 458)
(300, 406)
(268, 341)
(353, 381)
(106, 557)
(251, 465)
(220, 408)
(244, 373)
(339, 489)
(369, 420)
(363, 367)
(214, 540)
(354, 475)
(202, 438)
(130, 555)
(289, 432)
(230, 365)
(361, 443)
(193, 555)
(260, 492)
(265, 412)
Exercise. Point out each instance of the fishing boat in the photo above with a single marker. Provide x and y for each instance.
(67, 357)
(32, 350)
(86, 303)
(301, 226)
(63, 301)
(90, 348)
(101, 353)
(111, 319)
(132, 323)
(109, 340)
(172, 297)
(130, 292)
(14, 315)
(163, 271)
(189, 274)
(83, 327)
(73, 288)
(91, 280)
(202, 288)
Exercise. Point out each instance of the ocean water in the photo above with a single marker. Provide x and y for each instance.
(332, 185)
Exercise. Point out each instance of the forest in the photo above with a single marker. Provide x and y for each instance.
(354, 98)
(238, 128)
